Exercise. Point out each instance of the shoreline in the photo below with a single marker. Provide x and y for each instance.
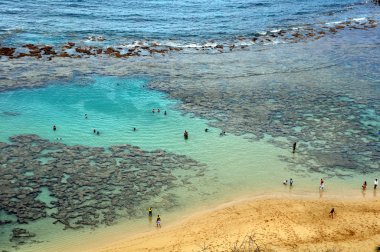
(279, 222)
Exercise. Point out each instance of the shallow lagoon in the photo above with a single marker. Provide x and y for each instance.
(235, 165)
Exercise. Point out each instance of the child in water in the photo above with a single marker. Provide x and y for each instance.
(158, 221)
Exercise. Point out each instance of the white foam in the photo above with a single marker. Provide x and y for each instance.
(360, 19)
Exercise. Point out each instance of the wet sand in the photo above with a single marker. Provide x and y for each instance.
(287, 223)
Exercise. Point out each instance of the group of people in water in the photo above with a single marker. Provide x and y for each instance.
(158, 219)
(186, 133)
(158, 111)
(375, 184)
(286, 182)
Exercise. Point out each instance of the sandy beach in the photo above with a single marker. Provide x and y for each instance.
(272, 224)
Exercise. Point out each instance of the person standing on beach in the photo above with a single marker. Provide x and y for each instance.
(332, 212)
(291, 182)
(158, 221)
(375, 184)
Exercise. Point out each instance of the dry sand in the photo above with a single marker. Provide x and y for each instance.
(274, 224)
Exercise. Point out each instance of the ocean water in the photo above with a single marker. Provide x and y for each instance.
(322, 94)
(183, 22)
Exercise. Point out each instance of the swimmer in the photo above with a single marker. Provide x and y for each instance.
(150, 211)
(186, 135)
(165, 113)
(153, 110)
(97, 133)
(134, 129)
(158, 110)
(94, 131)
(375, 184)
(54, 128)
(85, 116)
(285, 182)
(158, 221)
(206, 129)
(294, 147)
(222, 133)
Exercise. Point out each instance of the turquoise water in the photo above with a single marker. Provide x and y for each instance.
(114, 106)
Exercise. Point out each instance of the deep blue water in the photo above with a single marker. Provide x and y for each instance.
(59, 21)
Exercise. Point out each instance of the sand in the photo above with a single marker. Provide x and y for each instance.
(272, 224)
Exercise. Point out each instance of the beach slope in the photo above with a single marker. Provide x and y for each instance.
(271, 224)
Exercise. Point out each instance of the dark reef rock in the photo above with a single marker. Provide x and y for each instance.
(21, 236)
(7, 51)
(146, 48)
(88, 183)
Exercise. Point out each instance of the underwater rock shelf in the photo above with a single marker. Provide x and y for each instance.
(89, 185)
(329, 126)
